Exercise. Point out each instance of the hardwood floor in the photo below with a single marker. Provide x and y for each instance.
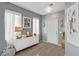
(42, 49)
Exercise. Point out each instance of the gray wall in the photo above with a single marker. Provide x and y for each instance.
(71, 50)
(60, 16)
(7, 5)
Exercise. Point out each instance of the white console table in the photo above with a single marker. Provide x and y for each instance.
(26, 42)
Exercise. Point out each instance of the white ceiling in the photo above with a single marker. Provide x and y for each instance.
(39, 7)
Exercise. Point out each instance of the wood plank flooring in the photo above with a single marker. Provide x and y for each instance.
(42, 49)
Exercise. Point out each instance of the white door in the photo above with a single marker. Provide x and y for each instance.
(52, 31)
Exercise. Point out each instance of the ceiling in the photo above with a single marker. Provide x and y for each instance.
(39, 7)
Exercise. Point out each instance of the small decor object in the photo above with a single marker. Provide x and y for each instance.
(61, 24)
(18, 31)
(18, 36)
(43, 24)
(9, 51)
(26, 22)
(34, 34)
(63, 40)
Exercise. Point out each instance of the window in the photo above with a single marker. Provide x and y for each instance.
(12, 19)
(36, 25)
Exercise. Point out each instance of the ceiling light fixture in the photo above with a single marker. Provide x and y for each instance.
(49, 8)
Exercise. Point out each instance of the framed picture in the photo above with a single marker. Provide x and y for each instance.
(26, 22)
